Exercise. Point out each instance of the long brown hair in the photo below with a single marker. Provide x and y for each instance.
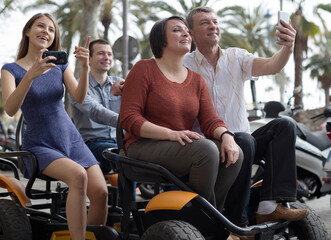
(24, 44)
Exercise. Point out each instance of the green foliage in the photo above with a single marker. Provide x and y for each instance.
(8, 5)
(244, 29)
(147, 12)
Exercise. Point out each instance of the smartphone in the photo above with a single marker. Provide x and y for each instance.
(286, 18)
(61, 57)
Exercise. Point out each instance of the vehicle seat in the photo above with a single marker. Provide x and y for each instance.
(273, 108)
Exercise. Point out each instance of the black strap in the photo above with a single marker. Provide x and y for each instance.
(120, 136)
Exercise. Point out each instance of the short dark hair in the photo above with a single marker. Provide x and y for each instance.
(189, 17)
(158, 36)
(97, 41)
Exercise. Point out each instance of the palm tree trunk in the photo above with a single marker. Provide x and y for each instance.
(89, 25)
(88, 28)
(327, 97)
(298, 56)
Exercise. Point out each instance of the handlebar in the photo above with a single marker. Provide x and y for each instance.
(326, 113)
(318, 116)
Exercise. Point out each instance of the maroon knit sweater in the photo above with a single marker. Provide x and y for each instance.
(149, 96)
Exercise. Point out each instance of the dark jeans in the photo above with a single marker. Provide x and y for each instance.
(97, 147)
(275, 144)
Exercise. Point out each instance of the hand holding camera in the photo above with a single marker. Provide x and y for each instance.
(61, 57)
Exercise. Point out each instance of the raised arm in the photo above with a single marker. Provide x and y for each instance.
(273, 65)
(78, 90)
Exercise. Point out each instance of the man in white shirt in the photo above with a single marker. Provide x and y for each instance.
(225, 71)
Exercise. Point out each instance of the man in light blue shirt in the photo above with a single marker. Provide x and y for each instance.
(96, 117)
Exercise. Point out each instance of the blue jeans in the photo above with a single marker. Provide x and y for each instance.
(275, 144)
(97, 147)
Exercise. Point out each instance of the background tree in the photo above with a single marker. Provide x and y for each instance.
(5, 4)
(320, 64)
(107, 17)
(248, 30)
(281, 79)
(146, 13)
(304, 30)
(244, 29)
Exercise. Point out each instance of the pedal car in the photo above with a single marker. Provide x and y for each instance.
(24, 218)
(183, 214)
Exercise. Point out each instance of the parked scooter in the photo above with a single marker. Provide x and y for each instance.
(313, 151)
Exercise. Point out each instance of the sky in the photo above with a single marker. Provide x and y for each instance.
(12, 24)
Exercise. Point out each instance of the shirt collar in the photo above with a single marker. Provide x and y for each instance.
(94, 83)
(199, 56)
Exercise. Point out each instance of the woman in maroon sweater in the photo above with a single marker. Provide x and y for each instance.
(160, 103)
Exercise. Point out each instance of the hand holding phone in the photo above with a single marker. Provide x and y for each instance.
(286, 18)
(61, 57)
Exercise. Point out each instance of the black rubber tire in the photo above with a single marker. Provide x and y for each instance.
(14, 223)
(172, 230)
(309, 228)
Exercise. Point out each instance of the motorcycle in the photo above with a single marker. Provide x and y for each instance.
(313, 150)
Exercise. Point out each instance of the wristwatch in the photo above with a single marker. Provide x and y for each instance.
(226, 132)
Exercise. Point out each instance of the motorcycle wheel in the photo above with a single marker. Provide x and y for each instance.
(309, 228)
(172, 230)
(14, 223)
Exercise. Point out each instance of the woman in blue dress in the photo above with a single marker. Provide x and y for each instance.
(35, 86)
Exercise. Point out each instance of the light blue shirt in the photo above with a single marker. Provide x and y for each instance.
(96, 117)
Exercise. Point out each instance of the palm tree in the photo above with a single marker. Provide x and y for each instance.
(325, 7)
(107, 16)
(281, 79)
(320, 65)
(6, 5)
(304, 30)
(244, 29)
(146, 12)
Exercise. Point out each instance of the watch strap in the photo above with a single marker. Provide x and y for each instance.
(226, 132)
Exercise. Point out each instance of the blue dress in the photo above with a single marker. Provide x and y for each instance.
(50, 133)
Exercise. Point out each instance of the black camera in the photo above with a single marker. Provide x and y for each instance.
(61, 57)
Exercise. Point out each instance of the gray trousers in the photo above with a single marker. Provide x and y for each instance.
(199, 160)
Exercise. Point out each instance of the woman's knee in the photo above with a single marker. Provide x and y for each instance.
(78, 180)
(206, 151)
(98, 193)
